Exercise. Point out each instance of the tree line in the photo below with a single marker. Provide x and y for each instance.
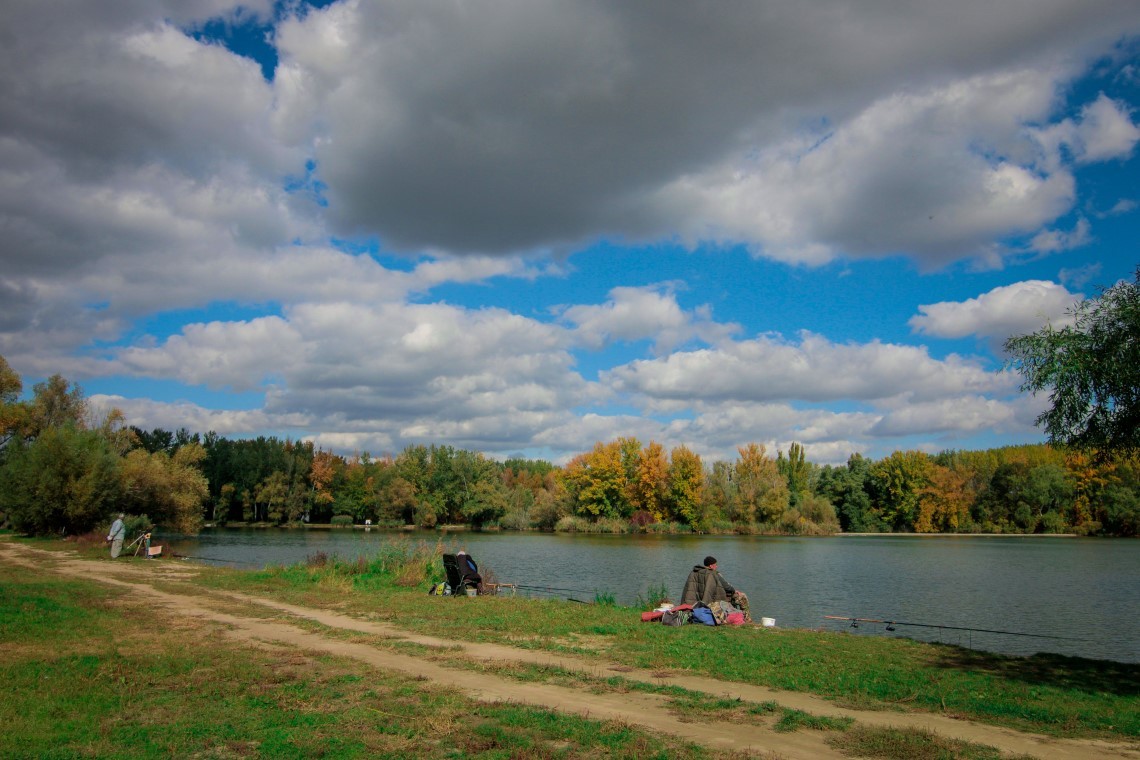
(62, 472)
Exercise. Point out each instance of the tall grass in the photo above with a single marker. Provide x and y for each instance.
(401, 563)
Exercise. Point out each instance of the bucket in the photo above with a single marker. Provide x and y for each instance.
(768, 622)
(472, 592)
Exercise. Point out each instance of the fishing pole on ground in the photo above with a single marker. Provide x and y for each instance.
(553, 591)
(892, 623)
(214, 559)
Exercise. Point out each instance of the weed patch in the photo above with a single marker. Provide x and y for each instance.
(901, 744)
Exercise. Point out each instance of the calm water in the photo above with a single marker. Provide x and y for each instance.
(1086, 589)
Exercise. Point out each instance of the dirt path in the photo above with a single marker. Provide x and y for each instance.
(644, 710)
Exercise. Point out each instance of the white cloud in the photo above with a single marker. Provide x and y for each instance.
(1016, 309)
(939, 174)
(965, 414)
(637, 313)
(815, 370)
(1054, 241)
(534, 125)
(1104, 131)
(148, 414)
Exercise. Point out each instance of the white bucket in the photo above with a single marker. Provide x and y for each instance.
(472, 591)
(768, 622)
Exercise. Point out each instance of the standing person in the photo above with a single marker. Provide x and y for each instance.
(706, 584)
(118, 532)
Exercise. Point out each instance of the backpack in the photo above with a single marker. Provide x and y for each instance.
(440, 589)
(702, 614)
(676, 617)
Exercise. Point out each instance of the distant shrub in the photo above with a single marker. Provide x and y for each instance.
(516, 519)
(341, 521)
(669, 528)
(611, 525)
(572, 524)
(641, 518)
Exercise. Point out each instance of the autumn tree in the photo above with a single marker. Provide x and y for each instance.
(12, 413)
(686, 481)
(650, 480)
(761, 489)
(943, 501)
(398, 501)
(168, 488)
(596, 481)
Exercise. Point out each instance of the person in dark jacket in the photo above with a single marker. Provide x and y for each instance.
(706, 584)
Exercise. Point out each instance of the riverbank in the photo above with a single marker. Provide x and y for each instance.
(844, 675)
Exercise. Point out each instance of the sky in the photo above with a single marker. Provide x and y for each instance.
(525, 226)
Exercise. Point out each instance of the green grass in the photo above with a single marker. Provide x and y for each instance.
(1045, 693)
(897, 744)
(87, 671)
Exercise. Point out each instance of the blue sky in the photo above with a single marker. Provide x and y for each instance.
(524, 227)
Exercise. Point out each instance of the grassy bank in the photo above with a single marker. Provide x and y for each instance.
(1050, 694)
(87, 671)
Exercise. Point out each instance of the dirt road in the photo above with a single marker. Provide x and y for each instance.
(645, 710)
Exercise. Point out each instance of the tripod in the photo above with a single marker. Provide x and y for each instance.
(142, 543)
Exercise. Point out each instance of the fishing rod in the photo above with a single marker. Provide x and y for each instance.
(554, 589)
(213, 559)
(892, 623)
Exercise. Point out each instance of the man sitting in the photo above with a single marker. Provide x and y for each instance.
(705, 584)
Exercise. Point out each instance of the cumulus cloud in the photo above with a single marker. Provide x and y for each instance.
(420, 372)
(1053, 241)
(536, 124)
(969, 413)
(814, 370)
(637, 313)
(145, 171)
(1016, 309)
(1103, 131)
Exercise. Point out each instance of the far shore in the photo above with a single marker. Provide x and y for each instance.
(460, 528)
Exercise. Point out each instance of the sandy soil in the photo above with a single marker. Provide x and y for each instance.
(643, 710)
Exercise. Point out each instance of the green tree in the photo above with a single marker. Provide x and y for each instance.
(169, 488)
(896, 483)
(66, 481)
(1092, 371)
(485, 503)
(795, 468)
(270, 496)
(686, 483)
(55, 403)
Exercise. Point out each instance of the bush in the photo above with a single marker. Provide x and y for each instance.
(516, 519)
(572, 524)
(66, 481)
(341, 521)
(669, 528)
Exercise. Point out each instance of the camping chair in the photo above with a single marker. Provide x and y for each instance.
(462, 576)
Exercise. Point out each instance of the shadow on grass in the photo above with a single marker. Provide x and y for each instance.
(1042, 669)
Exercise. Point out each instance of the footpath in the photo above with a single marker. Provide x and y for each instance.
(648, 711)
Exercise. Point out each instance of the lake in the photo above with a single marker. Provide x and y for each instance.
(1084, 590)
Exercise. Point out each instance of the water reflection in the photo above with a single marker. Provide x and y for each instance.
(1080, 588)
